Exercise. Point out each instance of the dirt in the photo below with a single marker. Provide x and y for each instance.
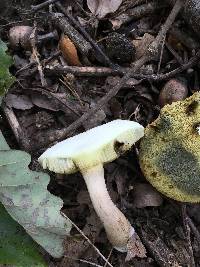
(45, 100)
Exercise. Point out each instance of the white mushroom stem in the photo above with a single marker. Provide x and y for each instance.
(117, 227)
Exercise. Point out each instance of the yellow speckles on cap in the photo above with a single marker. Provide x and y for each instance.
(170, 150)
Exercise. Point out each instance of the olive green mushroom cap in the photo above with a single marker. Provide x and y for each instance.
(96, 146)
(170, 150)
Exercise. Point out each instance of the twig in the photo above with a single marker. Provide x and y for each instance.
(85, 34)
(194, 229)
(108, 257)
(172, 73)
(81, 260)
(35, 56)
(53, 95)
(63, 23)
(145, 9)
(174, 53)
(103, 71)
(42, 5)
(88, 240)
(152, 52)
(154, 47)
(187, 234)
(56, 135)
(43, 63)
(19, 133)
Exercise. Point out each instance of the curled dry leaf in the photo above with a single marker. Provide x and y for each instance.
(69, 51)
(101, 8)
(146, 196)
(21, 102)
(142, 44)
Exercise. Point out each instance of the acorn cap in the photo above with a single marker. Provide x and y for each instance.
(96, 146)
(170, 150)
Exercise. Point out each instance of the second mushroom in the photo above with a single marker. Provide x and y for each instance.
(87, 152)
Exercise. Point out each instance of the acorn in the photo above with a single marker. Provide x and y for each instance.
(174, 90)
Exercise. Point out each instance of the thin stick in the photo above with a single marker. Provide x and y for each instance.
(42, 5)
(187, 234)
(151, 53)
(108, 257)
(85, 34)
(75, 259)
(88, 240)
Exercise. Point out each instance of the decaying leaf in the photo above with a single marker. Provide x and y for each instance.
(21, 102)
(69, 51)
(24, 195)
(101, 8)
(146, 196)
(6, 79)
(16, 247)
(135, 248)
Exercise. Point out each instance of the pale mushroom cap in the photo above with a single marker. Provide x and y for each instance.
(96, 146)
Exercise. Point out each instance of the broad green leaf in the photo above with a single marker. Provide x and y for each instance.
(16, 247)
(25, 196)
(6, 79)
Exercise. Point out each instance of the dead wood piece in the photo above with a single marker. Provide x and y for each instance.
(35, 55)
(20, 134)
(63, 23)
(42, 5)
(145, 9)
(78, 26)
(152, 52)
(85, 71)
(187, 234)
(185, 38)
(194, 230)
(103, 71)
(158, 249)
(75, 248)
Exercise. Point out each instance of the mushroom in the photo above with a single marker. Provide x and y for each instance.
(87, 152)
(169, 152)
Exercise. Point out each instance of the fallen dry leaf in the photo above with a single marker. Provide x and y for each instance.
(69, 51)
(101, 8)
(21, 102)
(142, 44)
(146, 196)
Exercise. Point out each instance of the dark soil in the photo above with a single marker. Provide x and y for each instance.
(72, 79)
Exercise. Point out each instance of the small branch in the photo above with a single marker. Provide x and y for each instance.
(85, 34)
(152, 52)
(103, 71)
(63, 24)
(187, 234)
(145, 9)
(35, 55)
(84, 261)
(88, 240)
(56, 135)
(19, 133)
(42, 5)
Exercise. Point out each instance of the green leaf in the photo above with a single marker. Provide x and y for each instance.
(25, 196)
(16, 247)
(6, 79)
